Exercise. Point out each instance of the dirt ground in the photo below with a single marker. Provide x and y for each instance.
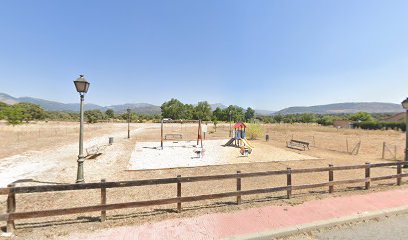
(55, 146)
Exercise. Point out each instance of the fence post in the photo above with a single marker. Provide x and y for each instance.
(347, 148)
(289, 182)
(367, 176)
(358, 149)
(383, 151)
(103, 199)
(11, 207)
(238, 187)
(399, 171)
(331, 178)
(179, 193)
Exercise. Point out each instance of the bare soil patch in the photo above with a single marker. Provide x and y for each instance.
(328, 146)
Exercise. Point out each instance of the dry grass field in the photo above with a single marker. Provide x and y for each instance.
(45, 153)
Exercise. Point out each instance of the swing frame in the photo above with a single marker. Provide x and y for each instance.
(199, 130)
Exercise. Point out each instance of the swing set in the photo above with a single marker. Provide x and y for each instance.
(179, 136)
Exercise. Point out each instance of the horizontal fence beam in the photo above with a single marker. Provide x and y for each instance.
(57, 212)
(113, 206)
(389, 177)
(98, 185)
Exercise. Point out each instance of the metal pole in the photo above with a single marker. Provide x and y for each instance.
(199, 133)
(81, 158)
(406, 140)
(230, 133)
(201, 136)
(128, 123)
(161, 135)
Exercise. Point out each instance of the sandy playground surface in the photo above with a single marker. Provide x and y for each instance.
(149, 155)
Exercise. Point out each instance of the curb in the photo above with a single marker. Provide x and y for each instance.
(282, 232)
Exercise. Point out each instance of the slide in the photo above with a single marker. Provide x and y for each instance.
(230, 142)
(246, 143)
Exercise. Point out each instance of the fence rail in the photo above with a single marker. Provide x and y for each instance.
(12, 190)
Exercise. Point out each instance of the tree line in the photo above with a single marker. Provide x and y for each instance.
(25, 112)
(176, 110)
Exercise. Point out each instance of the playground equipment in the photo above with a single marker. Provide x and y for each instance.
(199, 152)
(239, 139)
(179, 136)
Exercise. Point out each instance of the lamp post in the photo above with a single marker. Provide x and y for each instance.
(81, 86)
(405, 106)
(230, 133)
(128, 111)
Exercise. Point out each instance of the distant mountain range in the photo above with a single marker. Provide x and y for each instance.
(257, 111)
(146, 108)
(142, 108)
(339, 108)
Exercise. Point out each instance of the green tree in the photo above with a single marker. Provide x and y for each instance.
(110, 113)
(308, 118)
(215, 122)
(188, 112)
(93, 116)
(62, 116)
(249, 114)
(278, 118)
(326, 120)
(203, 111)
(219, 114)
(173, 109)
(14, 114)
(31, 111)
(2, 107)
(237, 113)
(362, 117)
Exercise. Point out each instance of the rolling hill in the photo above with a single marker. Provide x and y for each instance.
(146, 108)
(339, 108)
(142, 108)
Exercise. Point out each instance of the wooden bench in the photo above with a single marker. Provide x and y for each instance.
(95, 149)
(298, 144)
(173, 137)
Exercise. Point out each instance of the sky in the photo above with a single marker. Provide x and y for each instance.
(262, 54)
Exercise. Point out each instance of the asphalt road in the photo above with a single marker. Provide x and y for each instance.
(391, 228)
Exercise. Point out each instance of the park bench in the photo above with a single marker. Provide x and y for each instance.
(95, 149)
(298, 144)
(173, 137)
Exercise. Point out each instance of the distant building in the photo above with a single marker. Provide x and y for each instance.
(342, 124)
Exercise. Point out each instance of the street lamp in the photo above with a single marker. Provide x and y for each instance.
(81, 86)
(405, 106)
(128, 111)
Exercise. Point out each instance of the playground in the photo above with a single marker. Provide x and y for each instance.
(176, 153)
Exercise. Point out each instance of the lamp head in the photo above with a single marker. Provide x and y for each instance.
(81, 84)
(405, 104)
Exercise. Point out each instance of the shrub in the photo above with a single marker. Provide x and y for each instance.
(254, 131)
(381, 125)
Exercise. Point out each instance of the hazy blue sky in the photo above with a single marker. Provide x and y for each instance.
(265, 54)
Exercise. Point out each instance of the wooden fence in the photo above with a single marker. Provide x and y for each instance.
(12, 190)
